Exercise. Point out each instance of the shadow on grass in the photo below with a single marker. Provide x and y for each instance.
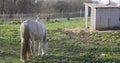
(89, 58)
(8, 54)
(58, 59)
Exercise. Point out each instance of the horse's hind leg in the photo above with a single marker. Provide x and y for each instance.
(32, 47)
(39, 48)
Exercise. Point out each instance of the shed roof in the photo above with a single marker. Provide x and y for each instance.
(101, 5)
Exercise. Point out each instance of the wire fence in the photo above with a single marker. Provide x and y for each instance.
(16, 17)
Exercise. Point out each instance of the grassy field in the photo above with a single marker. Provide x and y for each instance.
(64, 46)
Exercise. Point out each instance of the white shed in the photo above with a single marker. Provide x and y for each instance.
(102, 16)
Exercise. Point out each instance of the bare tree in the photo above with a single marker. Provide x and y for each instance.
(2, 6)
(61, 6)
(30, 6)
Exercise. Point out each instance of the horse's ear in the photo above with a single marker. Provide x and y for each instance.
(37, 19)
(20, 19)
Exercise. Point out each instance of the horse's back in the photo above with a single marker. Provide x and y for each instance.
(36, 29)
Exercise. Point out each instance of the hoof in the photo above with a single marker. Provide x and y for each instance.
(37, 57)
(25, 61)
(22, 60)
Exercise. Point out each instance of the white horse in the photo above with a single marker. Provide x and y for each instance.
(30, 31)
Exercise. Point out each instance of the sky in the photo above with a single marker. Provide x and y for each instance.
(101, 1)
(107, 1)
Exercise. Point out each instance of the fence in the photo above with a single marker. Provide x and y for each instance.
(16, 17)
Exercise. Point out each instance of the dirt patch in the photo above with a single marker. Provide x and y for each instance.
(77, 34)
(82, 35)
(76, 30)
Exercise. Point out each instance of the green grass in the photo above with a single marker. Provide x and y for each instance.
(63, 23)
(100, 47)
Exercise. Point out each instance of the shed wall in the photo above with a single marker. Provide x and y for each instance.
(107, 18)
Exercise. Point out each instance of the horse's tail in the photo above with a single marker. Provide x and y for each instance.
(25, 44)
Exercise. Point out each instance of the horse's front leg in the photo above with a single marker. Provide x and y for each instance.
(42, 48)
